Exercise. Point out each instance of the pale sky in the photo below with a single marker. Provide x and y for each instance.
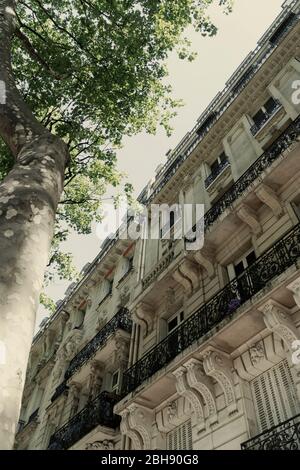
(196, 84)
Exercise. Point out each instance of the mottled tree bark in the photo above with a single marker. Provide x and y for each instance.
(29, 196)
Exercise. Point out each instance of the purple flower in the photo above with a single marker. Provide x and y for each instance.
(233, 305)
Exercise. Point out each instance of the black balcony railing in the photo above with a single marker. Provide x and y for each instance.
(97, 412)
(284, 141)
(267, 116)
(220, 104)
(273, 262)
(214, 174)
(121, 321)
(59, 391)
(33, 418)
(284, 436)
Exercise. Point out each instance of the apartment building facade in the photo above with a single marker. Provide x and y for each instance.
(160, 346)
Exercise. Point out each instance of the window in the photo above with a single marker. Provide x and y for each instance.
(244, 263)
(215, 165)
(174, 321)
(181, 437)
(274, 396)
(115, 380)
(264, 113)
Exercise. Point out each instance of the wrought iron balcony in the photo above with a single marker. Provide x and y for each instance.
(273, 262)
(59, 391)
(31, 423)
(287, 138)
(121, 321)
(97, 412)
(223, 100)
(267, 116)
(214, 174)
(284, 436)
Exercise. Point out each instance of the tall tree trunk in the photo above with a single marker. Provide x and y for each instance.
(29, 196)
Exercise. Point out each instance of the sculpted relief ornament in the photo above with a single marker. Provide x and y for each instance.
(257, 353)
(100, 445)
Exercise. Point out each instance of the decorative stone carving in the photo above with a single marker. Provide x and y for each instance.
(294, 287)
(101, 322)
(205, 258)
(191, 395)
(181, 279)
(268, 196)
(219, 367)
(137, 424)
(100, 445)
(248, 216)
(144, 316)
(64, 317)
(173, 415)
(257, 352)
(260, 357)
(190, 271)
(74, 397)
(131, 433)
(198, 380)
(124, 295)
(121, 351)
(277, 319)
(95, 379)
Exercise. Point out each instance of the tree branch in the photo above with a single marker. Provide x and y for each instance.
(34, 54)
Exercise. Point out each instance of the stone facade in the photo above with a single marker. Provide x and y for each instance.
(163, 347)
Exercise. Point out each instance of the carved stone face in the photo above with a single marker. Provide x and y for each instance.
(257, 353)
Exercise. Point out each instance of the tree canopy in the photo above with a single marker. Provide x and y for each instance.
(93, 71)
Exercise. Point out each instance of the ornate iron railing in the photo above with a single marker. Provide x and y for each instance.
(256, 127)
(97, 412)
(284, 141)
(284, 436)
(32, 420)
(214, 174)
(273, 262)
(121, 321)
(59, 391)
(220, 104)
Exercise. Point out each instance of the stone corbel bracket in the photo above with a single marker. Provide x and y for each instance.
(294, 287)
(248, 216)
(198, 380)
(143, 315)
(173, 415)
(278, 320)
(269, 197)
(137, 423)
(193, 396)
(187, 275)
(220, 368)
(127, 431)
(260, 357)
(206, 259)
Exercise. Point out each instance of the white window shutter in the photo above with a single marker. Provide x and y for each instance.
(274, 396)
(181, 437)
